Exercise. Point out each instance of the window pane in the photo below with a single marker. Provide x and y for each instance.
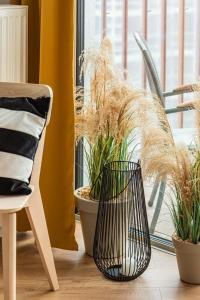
(109, 19)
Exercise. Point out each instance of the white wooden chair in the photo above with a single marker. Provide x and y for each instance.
(10, 205)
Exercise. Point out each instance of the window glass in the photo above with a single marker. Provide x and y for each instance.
(119, 19)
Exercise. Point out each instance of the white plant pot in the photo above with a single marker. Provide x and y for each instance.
(88, 216)
(188, 260)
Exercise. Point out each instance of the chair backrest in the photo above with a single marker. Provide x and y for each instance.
(34, 91)
(152, 75)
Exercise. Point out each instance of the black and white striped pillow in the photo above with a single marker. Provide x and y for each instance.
(22, 121)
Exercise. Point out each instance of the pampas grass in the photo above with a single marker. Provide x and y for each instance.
(105, 112)
(162, 158)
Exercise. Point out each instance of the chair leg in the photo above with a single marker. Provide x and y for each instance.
(36, 216)
(9, 255)
(153, 193)
(158, 206)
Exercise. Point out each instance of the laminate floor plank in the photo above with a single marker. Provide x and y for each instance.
(79, 278)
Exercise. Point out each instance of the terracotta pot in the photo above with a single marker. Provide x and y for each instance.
(88, 216)
(188, 260)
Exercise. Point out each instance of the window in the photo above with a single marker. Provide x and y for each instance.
(171, 28)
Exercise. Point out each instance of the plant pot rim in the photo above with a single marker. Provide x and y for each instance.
(85, 204)
(178, 241)
(89, 201)
(81, 197)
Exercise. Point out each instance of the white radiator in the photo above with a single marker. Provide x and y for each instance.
(13, 43)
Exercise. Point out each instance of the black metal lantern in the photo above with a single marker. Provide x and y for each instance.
(122, 248)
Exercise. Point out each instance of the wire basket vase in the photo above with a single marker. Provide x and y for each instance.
(122, 249)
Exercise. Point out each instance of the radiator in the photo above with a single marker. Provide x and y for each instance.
(13, 43)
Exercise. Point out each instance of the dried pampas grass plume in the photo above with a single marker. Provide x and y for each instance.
(160, 156)
(106, 107)
(105, 111)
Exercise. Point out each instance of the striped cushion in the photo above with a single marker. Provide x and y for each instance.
(22, 121)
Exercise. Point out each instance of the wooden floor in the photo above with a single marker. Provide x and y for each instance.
(80, 280)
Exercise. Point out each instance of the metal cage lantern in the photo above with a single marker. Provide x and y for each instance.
(122, 249)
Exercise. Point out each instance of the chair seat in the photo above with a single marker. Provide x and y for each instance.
(185, 135)
(11, 204)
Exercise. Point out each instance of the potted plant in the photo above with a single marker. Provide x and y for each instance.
(161, 157)
(104, 118)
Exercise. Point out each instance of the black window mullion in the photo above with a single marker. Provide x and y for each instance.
(80, 28)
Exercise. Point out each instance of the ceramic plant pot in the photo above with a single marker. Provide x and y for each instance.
(88, 210)
(88, 216)
(188, 260)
